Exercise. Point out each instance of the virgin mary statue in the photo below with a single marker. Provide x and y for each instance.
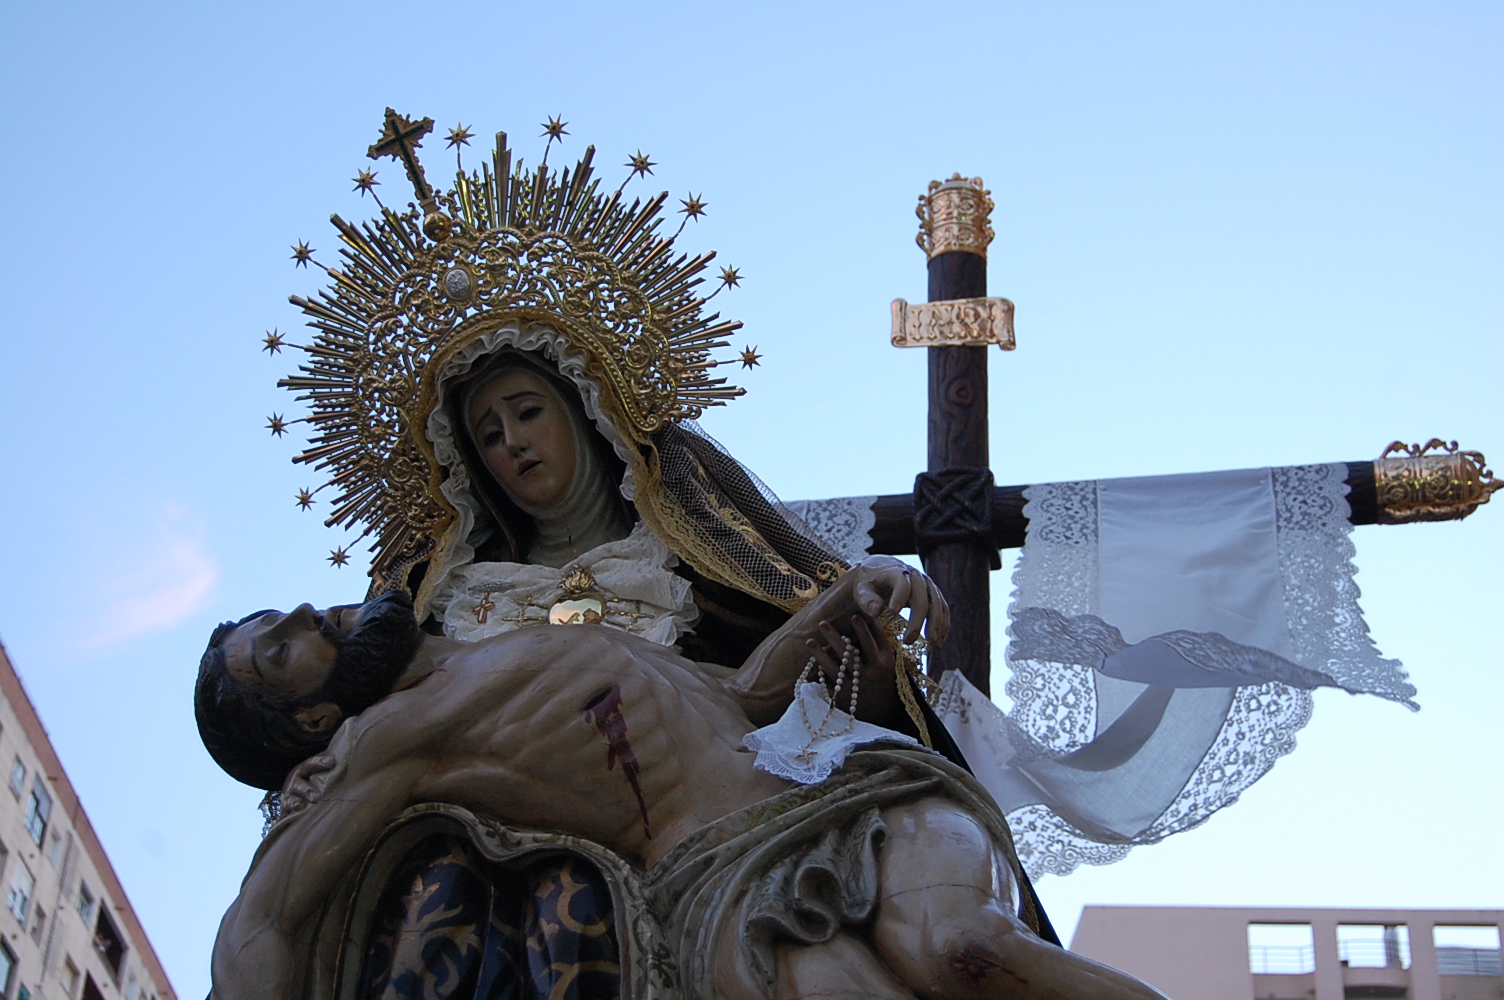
(504, 385)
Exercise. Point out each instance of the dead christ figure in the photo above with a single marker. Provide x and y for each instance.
(894, 877)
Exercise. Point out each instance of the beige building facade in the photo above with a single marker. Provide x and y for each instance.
(66, 929)
(1272, 953)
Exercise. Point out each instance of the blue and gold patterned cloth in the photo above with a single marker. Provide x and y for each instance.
(451, 925)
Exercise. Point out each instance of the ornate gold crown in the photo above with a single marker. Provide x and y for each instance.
(505, 244)
(955, 215)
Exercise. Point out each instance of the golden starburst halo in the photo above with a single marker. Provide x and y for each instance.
(273, 342)
(505, 244)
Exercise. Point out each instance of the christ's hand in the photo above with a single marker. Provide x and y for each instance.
(877, 700)
(298, 791)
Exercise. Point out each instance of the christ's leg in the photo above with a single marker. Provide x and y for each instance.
(843, 968)
(947, 923)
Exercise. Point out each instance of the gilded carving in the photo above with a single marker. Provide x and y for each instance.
(955, 215)
(954, 323)
(1431, 482)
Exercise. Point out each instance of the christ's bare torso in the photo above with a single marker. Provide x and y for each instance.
(583, 729)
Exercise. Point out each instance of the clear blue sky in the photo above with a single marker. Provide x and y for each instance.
(1237, 234)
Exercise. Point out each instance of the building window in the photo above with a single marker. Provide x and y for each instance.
(54, 846)
(7, 968)
(85, 902)
(17, 778)
(38, 810)
(130, 987)
(38, 918)
(91, 991)
(1281, 949)
(1374, 946)
(21, 885)
(70, 978)
(109, 942)
(1467, 951)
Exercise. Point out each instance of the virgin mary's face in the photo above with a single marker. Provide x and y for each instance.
(520, 427)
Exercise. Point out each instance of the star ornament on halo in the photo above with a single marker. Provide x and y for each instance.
(340, 557)
(730, 277)
(554, 129)
(750, 358)
(302, 253)
(364, 182)
(305, 499)
(273, 341)
(693, 206)
(276, 425)
(460, 135)
(640, 164)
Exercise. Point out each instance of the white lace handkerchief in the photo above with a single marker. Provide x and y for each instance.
(812, 739)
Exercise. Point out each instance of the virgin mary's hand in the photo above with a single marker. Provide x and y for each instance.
(883, 584)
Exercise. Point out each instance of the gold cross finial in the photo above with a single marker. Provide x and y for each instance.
(400, 137)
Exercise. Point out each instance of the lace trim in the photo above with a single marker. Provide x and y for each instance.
(1045, 635)
(1055, 706)
(1059, 568)
(844, 523)
(791, 750)
(1316, 553)
(1260, 729)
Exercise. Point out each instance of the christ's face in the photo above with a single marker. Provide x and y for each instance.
(286, 654)
(522, 431)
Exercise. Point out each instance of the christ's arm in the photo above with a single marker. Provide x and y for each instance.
(287, 886)
(382, 757)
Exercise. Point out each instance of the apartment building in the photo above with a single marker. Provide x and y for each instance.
(1312, 953)
(67, 929)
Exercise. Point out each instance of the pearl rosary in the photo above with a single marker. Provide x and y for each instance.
(851, 661)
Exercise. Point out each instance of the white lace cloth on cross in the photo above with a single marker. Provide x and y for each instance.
(843, 523)
(1166, 635)
(812, 740)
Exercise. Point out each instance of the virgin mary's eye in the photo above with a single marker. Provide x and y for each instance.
(491, 439)
(529, 412)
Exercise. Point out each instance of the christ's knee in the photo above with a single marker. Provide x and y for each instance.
(947, 903)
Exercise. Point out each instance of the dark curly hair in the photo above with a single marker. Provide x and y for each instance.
(254, 736)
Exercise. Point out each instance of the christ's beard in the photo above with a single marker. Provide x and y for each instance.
(373, 655)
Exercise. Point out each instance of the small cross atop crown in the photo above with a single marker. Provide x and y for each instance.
(400, 139)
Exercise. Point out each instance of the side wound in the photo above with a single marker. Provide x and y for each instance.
(605, 712)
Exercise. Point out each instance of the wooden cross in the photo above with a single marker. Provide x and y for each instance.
(399, 138)
(957, 518)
